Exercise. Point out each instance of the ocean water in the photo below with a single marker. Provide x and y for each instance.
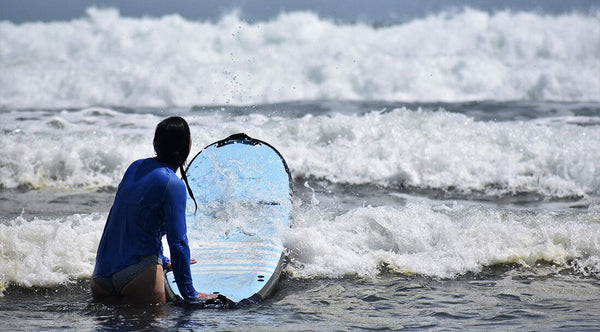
(446, 169)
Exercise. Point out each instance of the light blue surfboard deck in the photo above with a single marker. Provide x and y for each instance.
(242, 187)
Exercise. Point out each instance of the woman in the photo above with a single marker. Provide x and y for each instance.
(149, 203)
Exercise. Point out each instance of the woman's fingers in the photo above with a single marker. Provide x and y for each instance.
(204, 296)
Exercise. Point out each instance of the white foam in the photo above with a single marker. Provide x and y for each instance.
(107, 59)
(416, 148)
(445, 150)
(88, 148)
(47, 252)
(441, 241)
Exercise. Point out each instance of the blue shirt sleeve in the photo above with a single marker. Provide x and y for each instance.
(176, 229)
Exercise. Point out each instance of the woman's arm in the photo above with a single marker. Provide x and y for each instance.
(176, 229)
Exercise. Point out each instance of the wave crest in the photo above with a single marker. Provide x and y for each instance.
(440, 241)
(108, 59)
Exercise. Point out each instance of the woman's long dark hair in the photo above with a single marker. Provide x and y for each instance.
(172, 146)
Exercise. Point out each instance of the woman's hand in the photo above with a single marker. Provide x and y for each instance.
(204, 296)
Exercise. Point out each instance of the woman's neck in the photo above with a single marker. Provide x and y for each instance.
(171, 166)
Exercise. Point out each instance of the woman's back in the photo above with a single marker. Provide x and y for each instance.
(136, 221)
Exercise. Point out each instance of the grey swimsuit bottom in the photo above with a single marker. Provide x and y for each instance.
(115, 283)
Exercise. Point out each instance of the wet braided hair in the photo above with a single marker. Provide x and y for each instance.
(172, 146)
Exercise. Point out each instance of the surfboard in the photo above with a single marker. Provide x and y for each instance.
(242, 187)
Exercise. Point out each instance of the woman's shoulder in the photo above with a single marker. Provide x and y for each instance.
(157, 170)
(164, 173)
(140, 163)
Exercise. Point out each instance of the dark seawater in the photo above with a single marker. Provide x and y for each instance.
(499, 300)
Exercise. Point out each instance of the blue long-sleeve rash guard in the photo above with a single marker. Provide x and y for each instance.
(149, 203)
